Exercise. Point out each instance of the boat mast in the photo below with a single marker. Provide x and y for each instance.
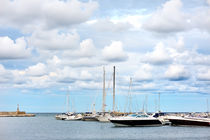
(67, 102)
(159, 102)
(114, 90)
(130, 97)
(104, 93)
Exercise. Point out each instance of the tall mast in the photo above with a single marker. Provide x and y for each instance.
(114, 90)
(67, 102)
(207, 103)
(130, 97)
(104, 93)
(159, 102)
(146, 105)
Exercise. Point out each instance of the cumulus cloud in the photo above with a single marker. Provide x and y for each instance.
(47, 13)
(86, 49)
(108, 25)
(91, 85)
(39, 69)
(54, 40)
(5, 75)
(159, 56)
(84, 62)
(168, 18)
(203, 13)
(114, 52)
(70, 75)
(204, 76)
(10, 49)
(144, 73)
(177, 73)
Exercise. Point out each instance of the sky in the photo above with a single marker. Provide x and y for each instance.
(51, 48)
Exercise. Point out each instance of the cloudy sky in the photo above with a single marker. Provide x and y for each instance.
(49, 48)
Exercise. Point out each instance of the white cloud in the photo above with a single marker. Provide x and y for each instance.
(134, 20)
(84, 62)
(202, 13)
(177, 73)
(208, 1)
(204, 75)
(48, 13)
(54, 40)
(13, 50)
(114, 52)
(54, 62)
(91, 85)
(108, 25)
(144, 73)
(85, 75)
(159, 56)
(87, 49)
(39, 69)
(168, 18)
(5, 75)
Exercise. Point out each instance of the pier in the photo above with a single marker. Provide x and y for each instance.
(17, 113)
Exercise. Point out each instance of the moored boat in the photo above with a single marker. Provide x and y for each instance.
(104, 117)
(90, 118)
(136, 120)
(74, 117)
(189, 121)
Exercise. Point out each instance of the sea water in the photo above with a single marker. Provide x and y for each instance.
(46, 127)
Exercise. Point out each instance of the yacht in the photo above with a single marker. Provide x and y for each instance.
(73, 117)
(61, 116)
(189, 121)
(136, 120)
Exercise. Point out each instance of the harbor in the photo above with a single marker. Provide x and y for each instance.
(134, 119)
(44, 127)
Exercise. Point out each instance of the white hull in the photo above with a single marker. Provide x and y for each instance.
(103, 119)
(123, 125)
(136, 121)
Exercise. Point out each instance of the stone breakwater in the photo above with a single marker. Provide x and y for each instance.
(16, 114)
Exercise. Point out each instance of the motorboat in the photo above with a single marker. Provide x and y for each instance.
(189, 121)
(61, 116)
(136, 120)
(74, 117)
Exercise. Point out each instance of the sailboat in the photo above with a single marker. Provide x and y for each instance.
(104, 117)
(68, 116)
(91, 116)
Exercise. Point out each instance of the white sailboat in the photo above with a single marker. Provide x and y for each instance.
(68, 116)
(104, 117)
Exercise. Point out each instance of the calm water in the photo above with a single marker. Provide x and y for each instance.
(45, 127)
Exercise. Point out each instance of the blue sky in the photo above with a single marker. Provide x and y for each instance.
(49, 48)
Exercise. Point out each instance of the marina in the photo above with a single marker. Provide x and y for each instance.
(46, 127)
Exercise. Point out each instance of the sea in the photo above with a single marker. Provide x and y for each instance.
(46, 127)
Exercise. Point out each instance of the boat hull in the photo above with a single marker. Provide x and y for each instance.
(187, 122)
(136, 122)
(89, 118)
